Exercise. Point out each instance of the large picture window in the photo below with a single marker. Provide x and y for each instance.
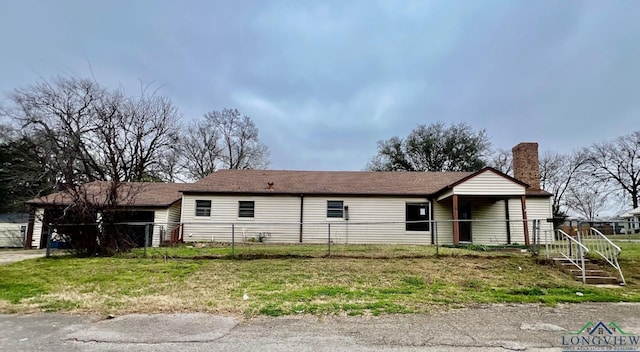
(203, 207)
(335, 209)
(246, 208)
(418, 216)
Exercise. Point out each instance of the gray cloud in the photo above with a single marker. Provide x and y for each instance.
(324, 81)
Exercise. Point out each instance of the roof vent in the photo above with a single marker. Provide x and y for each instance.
(270, 186)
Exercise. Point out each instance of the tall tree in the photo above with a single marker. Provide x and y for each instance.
(225, 139)
(618, 162)
(91, 133)
(433, 148)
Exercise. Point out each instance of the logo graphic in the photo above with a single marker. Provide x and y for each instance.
(600, 337)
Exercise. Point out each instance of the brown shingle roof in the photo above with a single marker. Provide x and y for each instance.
(324, 182)
(138, 194)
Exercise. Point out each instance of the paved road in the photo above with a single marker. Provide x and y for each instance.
(487, 328)
(12, 256)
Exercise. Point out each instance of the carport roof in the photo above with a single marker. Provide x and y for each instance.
(131, 194)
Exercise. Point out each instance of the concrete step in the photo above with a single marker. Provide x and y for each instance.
(599, 280)
(588, 272)
(594, 274)
(570, 266)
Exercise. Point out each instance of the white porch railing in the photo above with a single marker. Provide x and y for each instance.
(603, 247)
(567, 247)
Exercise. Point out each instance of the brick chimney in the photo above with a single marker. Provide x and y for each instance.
(526, 166)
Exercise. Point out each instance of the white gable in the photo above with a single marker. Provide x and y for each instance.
(489, 183)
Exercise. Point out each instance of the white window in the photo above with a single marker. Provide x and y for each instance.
(335, 209)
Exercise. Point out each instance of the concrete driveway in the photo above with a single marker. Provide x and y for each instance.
(12, 256)
(485, 328)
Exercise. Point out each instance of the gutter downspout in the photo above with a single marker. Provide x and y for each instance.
(301, 214)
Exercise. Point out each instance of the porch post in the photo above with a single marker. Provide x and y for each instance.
(456, 225)
(523, 201)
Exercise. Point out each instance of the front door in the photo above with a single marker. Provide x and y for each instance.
(464, 216)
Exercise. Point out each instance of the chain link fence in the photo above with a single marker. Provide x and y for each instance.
(330, 238)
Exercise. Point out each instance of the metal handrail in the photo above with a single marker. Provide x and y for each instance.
(606, 249)
(570, 249)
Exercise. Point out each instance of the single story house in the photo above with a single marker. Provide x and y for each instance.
(482, 207)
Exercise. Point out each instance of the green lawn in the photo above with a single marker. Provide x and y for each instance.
(414, 281)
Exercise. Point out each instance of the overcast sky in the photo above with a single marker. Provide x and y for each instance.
(325, 80)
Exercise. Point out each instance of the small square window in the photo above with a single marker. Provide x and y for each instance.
(203, 208)
(335, 209)
(246, 209)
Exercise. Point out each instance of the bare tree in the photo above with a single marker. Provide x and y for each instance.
(501, 160)
(558, 173)
(200, 149)
(96, 134)
(225, 139)
(618, 162)
(586, 197)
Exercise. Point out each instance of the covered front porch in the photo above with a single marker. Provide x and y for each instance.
(487, 207)
(484, 219)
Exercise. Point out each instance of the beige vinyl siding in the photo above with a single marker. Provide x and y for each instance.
(489, 183)
(11, 235)
(515, 221)
(539, 208)
(490, 226)
(37, 228)
(443, 215)
(372, 220)
(174, 212)
(277, 217)
(160, 218)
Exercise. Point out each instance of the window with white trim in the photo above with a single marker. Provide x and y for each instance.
(418, 216)
(203, 207)
(246, 208)
(335, 209)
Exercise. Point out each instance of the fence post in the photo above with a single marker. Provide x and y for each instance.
(146, 238)
(48, 240)
(546, 242)
(329, 237)
(435, 232)
(233, 240)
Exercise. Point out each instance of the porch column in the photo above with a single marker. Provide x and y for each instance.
(456, 226)
(523, 201)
